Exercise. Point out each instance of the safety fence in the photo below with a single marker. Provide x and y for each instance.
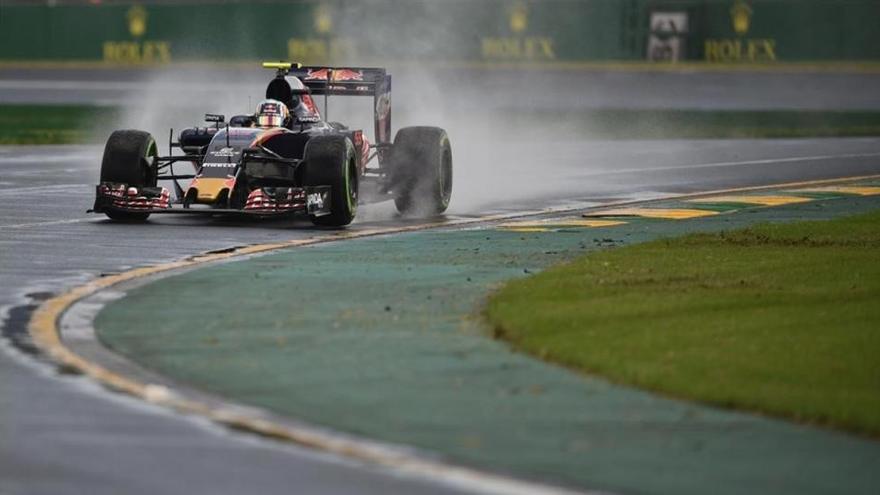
(533, 32)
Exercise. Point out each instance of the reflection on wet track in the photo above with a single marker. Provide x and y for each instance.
(63, 436)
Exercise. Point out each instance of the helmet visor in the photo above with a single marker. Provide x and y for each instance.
(269, 120)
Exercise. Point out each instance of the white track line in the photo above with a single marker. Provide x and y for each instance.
(41, 224)
(25, 191)
(734, 164)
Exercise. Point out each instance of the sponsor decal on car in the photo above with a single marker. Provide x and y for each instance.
(318, 201)
(224, 152)
(337, 75)
(315, 200)
(309, 103)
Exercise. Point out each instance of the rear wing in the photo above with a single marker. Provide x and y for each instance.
(346, 81)
(343, 81)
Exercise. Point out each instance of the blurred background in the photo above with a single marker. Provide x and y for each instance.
(527, 59)
(566, 33)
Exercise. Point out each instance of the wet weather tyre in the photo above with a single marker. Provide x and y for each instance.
(330, 161)
(129, 158)
(422, 171)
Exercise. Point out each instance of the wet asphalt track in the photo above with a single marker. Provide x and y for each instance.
(62, 434)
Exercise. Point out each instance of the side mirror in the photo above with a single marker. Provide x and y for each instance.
(215, 118)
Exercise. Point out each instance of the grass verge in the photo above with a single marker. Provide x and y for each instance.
(618, 123)
(782, 319)
(55, 124)
(64, 124)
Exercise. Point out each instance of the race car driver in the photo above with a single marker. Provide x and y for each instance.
(272, 113)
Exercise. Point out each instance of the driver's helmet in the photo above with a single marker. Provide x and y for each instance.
(272, 113)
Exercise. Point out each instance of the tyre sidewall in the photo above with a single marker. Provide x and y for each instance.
(422, 168)
(329, 161)
(129, 158)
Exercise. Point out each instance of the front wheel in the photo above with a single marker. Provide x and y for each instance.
(129, 158)
(421, 171)
(330, 161)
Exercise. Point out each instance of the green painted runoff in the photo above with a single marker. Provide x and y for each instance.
(383, 337)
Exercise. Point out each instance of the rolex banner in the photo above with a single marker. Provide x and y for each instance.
(502, 32)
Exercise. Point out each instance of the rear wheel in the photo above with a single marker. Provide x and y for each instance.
(422, 171)
(129, 158)
(330, 161)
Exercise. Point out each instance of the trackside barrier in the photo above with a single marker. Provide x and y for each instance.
(529, 32)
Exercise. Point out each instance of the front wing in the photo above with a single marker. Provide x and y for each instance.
(262, 202)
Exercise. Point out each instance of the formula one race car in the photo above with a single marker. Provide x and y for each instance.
(284, 159)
